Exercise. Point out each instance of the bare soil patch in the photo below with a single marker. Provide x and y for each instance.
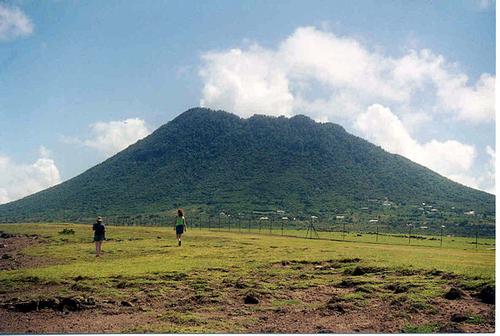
(312, 310)
(11, 252)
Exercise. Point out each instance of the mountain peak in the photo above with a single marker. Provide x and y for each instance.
(214, 160)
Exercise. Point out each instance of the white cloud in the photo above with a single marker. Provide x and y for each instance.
(348, 75)
(111, 137)
(487, 181)
(246, 82)
(13, 23)
(476, 104)
(18, 180)
(449, 158)
(333, 78)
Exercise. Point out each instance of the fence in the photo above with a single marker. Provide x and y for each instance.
(317, 228)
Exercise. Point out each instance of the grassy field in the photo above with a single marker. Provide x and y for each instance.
(200, 286)
(417, 239)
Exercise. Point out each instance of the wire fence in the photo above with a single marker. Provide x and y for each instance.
(324, 229)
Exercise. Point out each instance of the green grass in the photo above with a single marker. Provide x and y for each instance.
(422, 329)
(202, 282)
(382, 238)
(135, 251)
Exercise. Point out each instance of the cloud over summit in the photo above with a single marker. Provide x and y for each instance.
(334, 78)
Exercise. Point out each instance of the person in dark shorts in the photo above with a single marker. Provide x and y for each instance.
(180, 225)
(99, 235)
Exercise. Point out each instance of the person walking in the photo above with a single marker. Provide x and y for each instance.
(99, 235)
(180, 225)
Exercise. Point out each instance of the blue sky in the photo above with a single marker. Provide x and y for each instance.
(80, 80)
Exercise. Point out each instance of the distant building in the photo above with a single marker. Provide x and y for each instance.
(339, 217)
(373, 221)
(470, 213)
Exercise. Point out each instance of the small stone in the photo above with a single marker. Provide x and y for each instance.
(348, 283)
(251, 298)
(27, 306)
(454, 294)
(487, 294)
(337, 307)
(72, 304)
(458, 318)
(51, 303)
(6, 256)
(398, 288)
(358, 271)
(325, 331)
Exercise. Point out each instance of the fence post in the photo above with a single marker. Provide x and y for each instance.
(409, 235)
(442, 226)
(377, 235)
(343, 230)
(476, 236)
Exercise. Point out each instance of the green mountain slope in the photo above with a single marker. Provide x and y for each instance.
(213, 160)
